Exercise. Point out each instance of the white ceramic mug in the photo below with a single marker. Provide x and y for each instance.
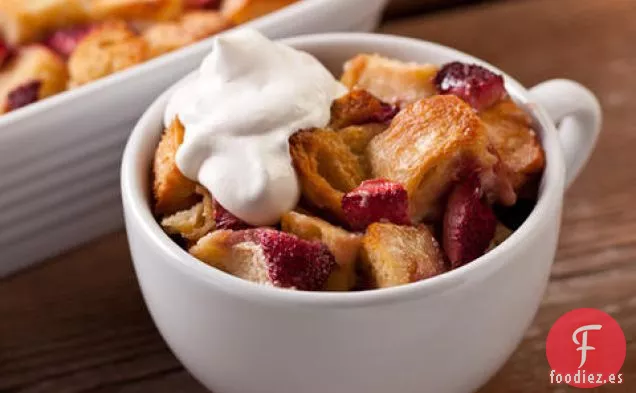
(447, 334)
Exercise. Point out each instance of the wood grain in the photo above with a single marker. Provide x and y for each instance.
(78, 323)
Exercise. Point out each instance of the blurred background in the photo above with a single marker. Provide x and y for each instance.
(405, 8)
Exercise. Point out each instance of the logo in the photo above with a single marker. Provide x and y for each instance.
(586, 348)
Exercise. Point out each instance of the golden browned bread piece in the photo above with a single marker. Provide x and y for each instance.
(194, 223)
(231, 252)
(343, 245)
(327, 169)
(510, 132)
(240, 11)
(390, 80)
(154, 10)
(357, 138)
(429, 144)
(33, 63)
(172, 191)
(109, 48)
(23, 21)
(395, 255)
(192, 27)
(356, 107)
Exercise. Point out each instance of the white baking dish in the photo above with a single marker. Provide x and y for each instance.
(59, 158)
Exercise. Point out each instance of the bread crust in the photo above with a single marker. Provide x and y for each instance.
(151, 10)
(354, 108)
(427, 147)
(195, 222)
(234, 253)
(396, 255)
(326, 168)
(33, 63)
(241, 11)
(172, 190)
(23, 21)
(390, 80)
(510, 131)
(109, 48)
(193, 26)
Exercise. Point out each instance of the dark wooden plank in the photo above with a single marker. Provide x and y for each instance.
(78, 323)
(405, 8)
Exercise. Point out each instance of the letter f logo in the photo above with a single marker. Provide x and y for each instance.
(583, 344)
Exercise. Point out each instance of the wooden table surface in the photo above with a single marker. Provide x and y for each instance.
(78, 323)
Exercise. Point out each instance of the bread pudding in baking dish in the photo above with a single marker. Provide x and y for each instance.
(49, 46)
(403, 172)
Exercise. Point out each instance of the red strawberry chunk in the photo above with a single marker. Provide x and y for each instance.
(226, 220)
(469, 223)
(23, 95)
(295, 263)
(474, 84)
(64, 41)
(376, 200)
(203, 4)
(5, 52)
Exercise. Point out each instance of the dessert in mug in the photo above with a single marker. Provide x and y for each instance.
(49, 46)
(272, 170)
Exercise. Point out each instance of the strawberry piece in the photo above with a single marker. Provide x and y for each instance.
(293, 262)
(5, 52)
(376, 200)
(226, 220)
(64, 41)
(203, 4)
(23, 95)
(469, 223)
(474, 84)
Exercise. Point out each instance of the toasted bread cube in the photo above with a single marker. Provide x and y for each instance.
(357, 138)
(202, 24)
(395, 255)
(172, 190)
(428, 146)
(343, 245)
(192, 27)
(241, 11)
(109, 48)
(33, 63)
(165, 37)
(510, 132)
(326, 168)
(234, 253)
(357, 107)
(392, 81)
(194, 223)
(156, 10)
(23, 21)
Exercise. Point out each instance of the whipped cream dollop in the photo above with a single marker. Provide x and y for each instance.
(248, 97)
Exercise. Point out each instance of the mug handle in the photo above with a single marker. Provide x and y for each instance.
(577, 113)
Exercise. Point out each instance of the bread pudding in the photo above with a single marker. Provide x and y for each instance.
(49, 46)
(406, 177)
